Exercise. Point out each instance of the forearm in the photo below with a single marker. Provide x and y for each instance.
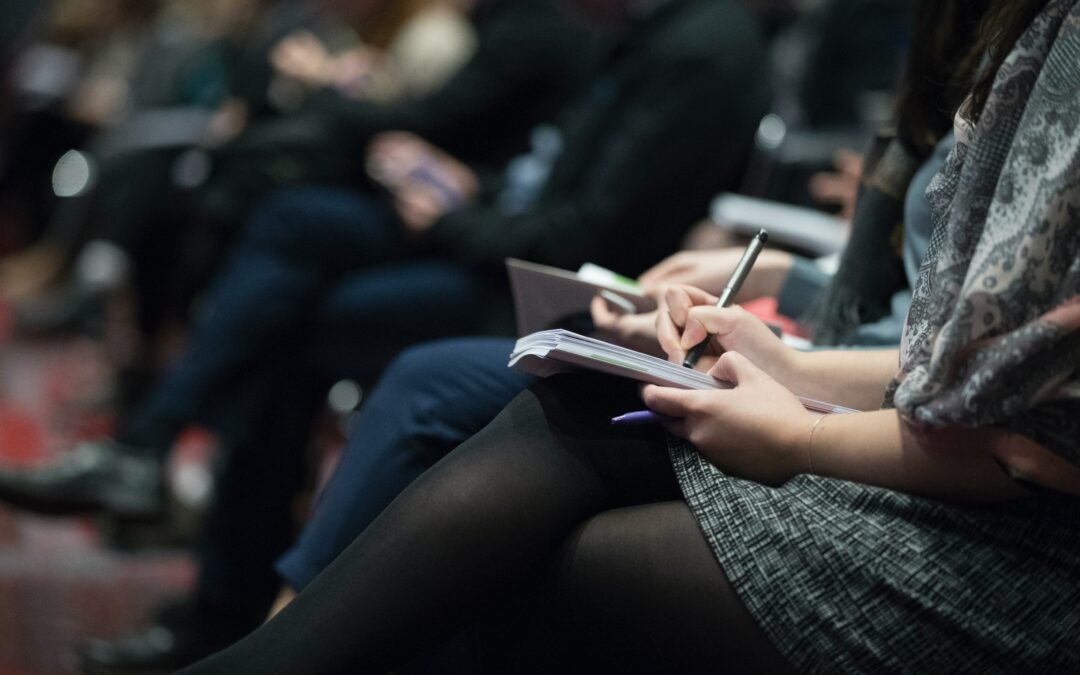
(766, 278)
(855, 378)
(877, 448)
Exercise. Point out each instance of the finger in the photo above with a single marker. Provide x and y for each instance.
(307, 39)
(670, 401)
(829, 188)
(702, 321)
(680, 299)
(736, 368)
(670, 337)
(849, 162)
(602, 315)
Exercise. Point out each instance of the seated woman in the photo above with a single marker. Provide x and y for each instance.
(935, 534)
(435, 396)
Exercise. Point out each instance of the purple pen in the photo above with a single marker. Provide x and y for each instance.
(641, 417)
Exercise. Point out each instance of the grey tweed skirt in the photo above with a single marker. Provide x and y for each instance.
(848, 578)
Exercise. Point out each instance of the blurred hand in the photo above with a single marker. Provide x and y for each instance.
(354, 69)
(302, 57)
(100, 101)
(692, 315)
(229, 120)
(757, 431)
(841, 187)
(635, 331)
(711, 270)
(419, 205)
(426, 182)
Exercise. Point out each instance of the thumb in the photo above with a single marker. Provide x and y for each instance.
(735, 368)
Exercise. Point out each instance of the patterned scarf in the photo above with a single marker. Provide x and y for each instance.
(993, 335)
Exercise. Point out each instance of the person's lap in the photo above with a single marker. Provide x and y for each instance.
(549, 484)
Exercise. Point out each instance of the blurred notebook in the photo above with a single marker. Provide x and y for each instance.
(544, 296)
(558, 351)
(795, 226)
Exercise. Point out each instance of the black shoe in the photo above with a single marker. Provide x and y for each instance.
(94, 477)
(181, 636)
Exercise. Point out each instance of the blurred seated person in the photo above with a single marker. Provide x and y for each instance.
(747, 533)
(433, 397)
(206, 63)
(71, 77)
(656, 119)
(415, 47)
(166, 241)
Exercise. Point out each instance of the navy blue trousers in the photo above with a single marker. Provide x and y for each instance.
(321, 286)
(430, 399)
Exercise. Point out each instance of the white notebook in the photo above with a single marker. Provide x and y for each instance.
(558, 351)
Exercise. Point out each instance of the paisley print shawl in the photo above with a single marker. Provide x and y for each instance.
(993, 335)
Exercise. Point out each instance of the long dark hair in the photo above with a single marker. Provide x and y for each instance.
(959, 45)
(946, 35)
(1002, 27)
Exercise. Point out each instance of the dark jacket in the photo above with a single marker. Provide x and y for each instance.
(666, 124)
(531, 58)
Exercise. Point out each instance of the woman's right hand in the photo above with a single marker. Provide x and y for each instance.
(692, 315)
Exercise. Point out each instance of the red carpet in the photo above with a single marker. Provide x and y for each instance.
(58, 583)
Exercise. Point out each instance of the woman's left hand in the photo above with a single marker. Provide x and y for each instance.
(758, 430)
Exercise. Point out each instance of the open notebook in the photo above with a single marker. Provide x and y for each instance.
(545, 295)
(557, 351)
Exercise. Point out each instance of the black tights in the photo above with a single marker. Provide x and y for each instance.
(548, 502)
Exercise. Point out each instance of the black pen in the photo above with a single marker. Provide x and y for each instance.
(742, 270)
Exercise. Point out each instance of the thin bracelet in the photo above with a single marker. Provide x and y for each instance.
(810, 443)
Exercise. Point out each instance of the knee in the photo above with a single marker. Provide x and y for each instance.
(454, 369)
(277, 222)
(421, 388)
(419, 361)
(623, 549)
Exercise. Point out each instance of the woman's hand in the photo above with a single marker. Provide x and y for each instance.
(711, 270)
(302, 57)
(635, 331)
(692, 315)
(426, 182)
(839, 187)
(758, 430)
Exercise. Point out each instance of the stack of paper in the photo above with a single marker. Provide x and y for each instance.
(557, 351)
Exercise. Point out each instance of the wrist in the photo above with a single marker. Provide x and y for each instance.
(792, 368)
(796, 445)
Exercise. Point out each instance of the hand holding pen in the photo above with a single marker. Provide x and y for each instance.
(683, 327)
(727, 296)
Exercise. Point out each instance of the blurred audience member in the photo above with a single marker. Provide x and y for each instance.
(414, 47)
(636, 157)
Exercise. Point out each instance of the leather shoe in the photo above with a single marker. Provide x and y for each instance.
(96, 476)
(181, 636)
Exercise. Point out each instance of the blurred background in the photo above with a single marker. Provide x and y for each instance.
(120, 192)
